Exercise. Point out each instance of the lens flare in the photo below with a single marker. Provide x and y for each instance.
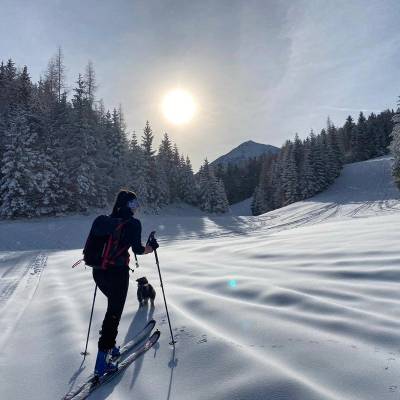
(232, 283)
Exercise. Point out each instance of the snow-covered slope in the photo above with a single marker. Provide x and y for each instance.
(298, 304)
(245, 151)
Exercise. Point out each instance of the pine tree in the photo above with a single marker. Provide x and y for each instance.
(212, 196)
(395, 145)
(309, 185)
(136, 176)
(19, 184)
(263, 196)
(8, 86)
(189, 191)
(221, 201)
(175, 175)
(290, 183)
(347, 138)
(335, 156)
(153, 198)
(166, 167)
(90, 82)
(79, 157)
(119, 145)
(359, 141)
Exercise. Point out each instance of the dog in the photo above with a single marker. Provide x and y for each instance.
(145, 292)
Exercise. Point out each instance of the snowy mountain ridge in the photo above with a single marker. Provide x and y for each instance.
(244, 151)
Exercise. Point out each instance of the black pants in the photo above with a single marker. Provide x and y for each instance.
(114, 284)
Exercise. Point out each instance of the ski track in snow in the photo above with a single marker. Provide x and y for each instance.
(301, 303)
(18, 284)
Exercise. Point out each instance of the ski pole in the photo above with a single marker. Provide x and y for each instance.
(136, 261)
(85, 353)
(136, 264)
(172, 342)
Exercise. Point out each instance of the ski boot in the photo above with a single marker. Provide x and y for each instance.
(104, 364)
(115, 354)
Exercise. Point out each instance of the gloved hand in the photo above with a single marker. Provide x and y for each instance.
(153, 243)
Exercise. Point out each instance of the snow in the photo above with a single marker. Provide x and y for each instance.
(242, 207)
(300, 303)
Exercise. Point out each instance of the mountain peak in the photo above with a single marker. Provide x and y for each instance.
(246, 150)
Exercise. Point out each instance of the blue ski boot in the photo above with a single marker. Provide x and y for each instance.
(115, 353)
(103, 365)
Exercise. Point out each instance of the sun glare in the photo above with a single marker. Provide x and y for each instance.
(178, 106)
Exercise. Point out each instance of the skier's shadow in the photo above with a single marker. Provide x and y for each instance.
(75, 376)
(142, 316)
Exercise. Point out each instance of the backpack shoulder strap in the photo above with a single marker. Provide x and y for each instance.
(112, 246)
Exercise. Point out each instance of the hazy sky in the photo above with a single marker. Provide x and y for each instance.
(260, 70)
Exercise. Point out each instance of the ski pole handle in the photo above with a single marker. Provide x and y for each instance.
(151, 237)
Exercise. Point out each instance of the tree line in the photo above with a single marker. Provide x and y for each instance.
(61, 151)
(304, 168)
(239, 179)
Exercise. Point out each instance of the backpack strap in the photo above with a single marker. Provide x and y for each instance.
(107, 258)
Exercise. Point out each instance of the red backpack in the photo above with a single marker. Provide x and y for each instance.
(103, 247)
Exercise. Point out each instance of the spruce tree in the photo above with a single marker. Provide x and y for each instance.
(335, 156)
(152, 197)
(263, 199)
(166, 167)
(137, 179)
(309, 184)
(189, 190)
(290, 183)
(20, 170)
(80, 162)
(395, 145)
(347, 138)
(212, 196)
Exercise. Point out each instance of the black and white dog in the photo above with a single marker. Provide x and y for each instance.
(145, 292)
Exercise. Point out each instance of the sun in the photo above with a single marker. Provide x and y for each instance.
(178, 106)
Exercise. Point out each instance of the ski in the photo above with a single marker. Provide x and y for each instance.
(144, 333)
(95, 382)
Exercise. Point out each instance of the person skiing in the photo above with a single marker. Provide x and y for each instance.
(113, 280)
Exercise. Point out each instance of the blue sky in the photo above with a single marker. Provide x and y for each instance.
(260, 70)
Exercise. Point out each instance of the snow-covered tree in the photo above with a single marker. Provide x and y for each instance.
(153, 198)
(308, 185)
(212, 196)
(395, 145)
(263, 196)
(289, 182)
(20, 183)
(166, 167)
(79, 155)
(189, 188)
